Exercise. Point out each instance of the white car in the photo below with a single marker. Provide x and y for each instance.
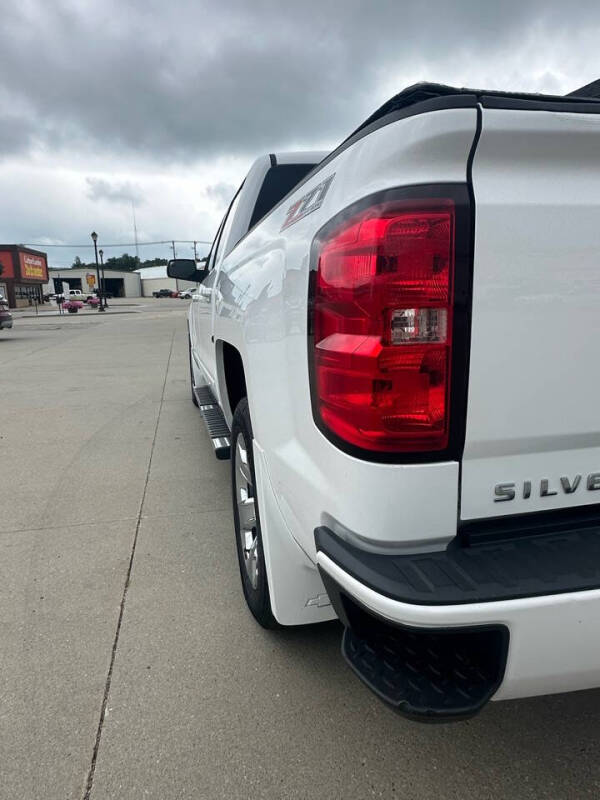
(399, 356)
(186, 294)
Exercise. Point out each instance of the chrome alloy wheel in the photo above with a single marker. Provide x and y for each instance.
(244, 495)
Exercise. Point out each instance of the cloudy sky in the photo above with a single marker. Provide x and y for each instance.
(167, 103)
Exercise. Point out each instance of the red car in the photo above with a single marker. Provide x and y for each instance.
(6, 320)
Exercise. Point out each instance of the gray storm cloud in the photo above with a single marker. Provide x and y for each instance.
(100, 189)
(179, 79)
(172, 101)
(221, 193)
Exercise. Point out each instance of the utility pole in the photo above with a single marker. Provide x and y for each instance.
(101, 252)
(173, 246)
(135, 236)
(195, 254)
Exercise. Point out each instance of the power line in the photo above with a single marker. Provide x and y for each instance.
(122, 244)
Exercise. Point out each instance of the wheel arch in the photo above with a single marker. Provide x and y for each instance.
(231, 376)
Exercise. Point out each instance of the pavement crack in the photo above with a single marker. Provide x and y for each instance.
(67, 525)
(90, 778)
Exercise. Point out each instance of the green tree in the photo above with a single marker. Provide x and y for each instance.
(124, 262)
(154, 262)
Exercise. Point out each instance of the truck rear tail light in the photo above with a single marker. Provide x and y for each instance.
(382, 321)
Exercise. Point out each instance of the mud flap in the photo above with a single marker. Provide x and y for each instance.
(298, 596)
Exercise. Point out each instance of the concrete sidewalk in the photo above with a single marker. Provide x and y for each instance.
(78, 416)
(117, 305)
(130, 667)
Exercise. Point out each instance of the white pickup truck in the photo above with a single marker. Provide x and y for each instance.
(395, 343)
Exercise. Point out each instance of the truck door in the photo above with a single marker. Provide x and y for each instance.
(201, 316)
(204, 301)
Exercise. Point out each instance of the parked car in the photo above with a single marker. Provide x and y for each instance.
(6, 319)
(76, 294)
(186, 294)
(162, 293)
(389, 357)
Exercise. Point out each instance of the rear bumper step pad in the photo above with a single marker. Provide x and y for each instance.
(217, 427)
(430, 677)
(426, 674)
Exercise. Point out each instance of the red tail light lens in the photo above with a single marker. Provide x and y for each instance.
(383, 307)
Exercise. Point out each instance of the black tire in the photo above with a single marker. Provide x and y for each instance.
(257, 596)
(194, 398)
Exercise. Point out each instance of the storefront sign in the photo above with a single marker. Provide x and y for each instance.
(33, 268)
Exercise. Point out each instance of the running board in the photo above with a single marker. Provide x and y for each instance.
(214, 420)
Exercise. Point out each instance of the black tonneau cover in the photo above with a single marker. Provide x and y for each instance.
(589, 90)
(438, 95)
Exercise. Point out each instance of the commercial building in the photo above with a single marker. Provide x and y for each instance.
(23, 273)
(119, 283)
(155, 278)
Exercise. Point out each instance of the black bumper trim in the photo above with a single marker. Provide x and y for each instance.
(545, 564)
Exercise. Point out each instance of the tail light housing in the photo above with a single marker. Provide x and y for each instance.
(382, 322)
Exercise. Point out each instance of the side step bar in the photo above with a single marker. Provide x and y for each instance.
(219, 433)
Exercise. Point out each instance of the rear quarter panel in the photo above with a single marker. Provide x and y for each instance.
(261, 308)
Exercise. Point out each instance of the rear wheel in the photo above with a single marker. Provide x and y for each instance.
(246, 519)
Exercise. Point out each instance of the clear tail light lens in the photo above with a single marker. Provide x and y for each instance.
(382, 324)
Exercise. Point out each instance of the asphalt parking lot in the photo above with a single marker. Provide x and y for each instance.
(129, 666)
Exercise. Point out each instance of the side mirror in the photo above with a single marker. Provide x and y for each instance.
(186, 269)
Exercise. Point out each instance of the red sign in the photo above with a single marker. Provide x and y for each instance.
(6, 261)
(33, 268)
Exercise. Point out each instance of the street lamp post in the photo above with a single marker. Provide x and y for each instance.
(94, 236)
(103, 281)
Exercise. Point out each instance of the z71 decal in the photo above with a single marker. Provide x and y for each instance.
(307, 204)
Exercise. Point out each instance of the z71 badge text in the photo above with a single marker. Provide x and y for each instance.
(310, 202)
